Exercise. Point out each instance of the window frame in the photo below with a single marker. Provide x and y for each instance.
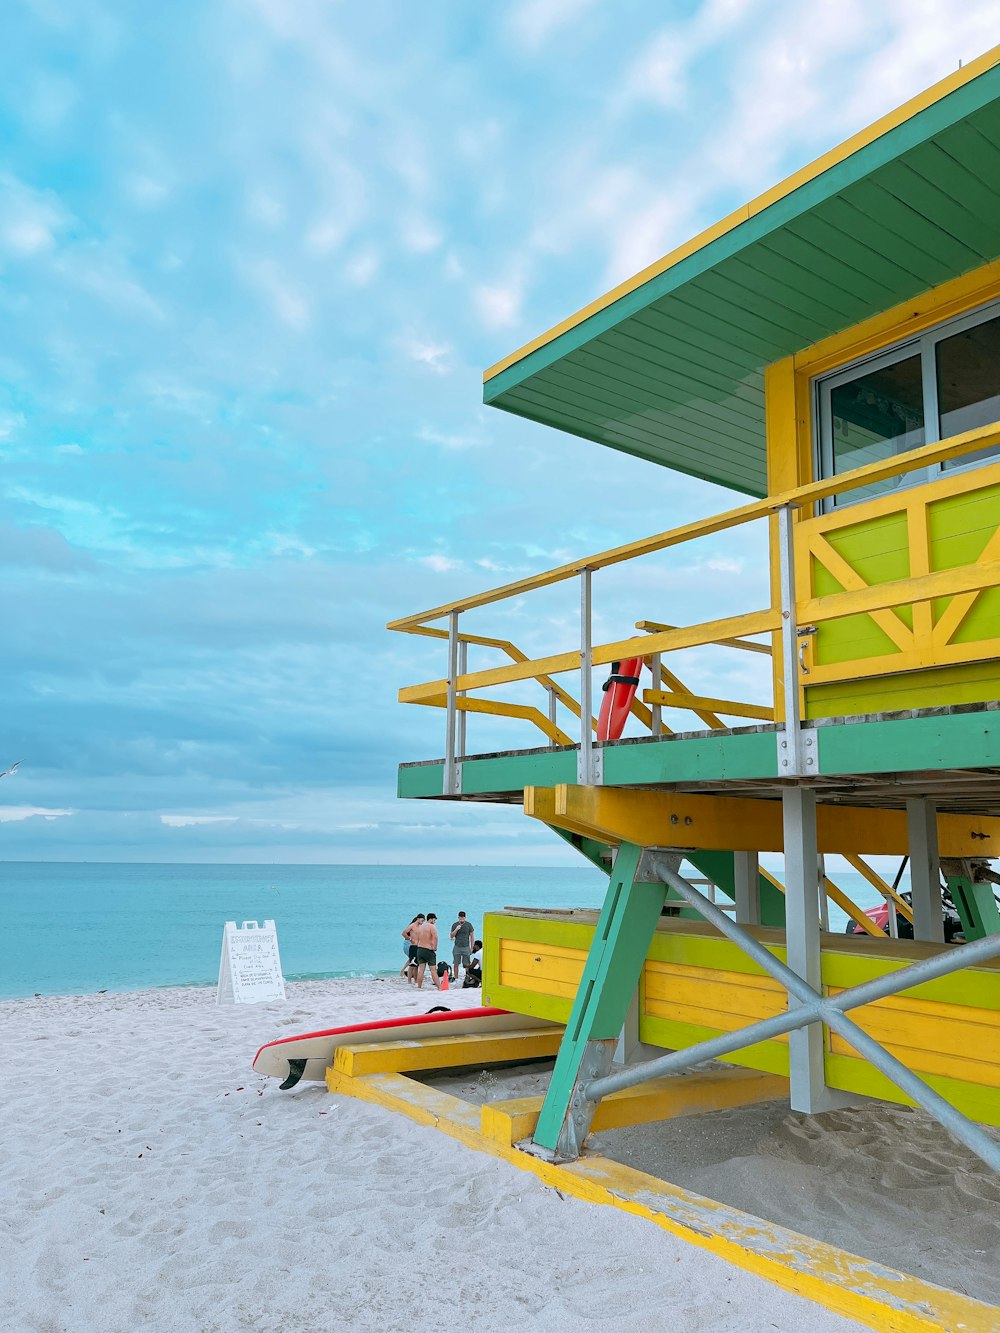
(924, 345)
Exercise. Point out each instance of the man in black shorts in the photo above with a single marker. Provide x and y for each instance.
(462, 933)
(410, 970)
(426, 937)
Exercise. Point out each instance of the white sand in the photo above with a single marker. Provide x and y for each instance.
(150, 1180)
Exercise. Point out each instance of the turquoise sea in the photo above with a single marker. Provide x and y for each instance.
(76, 928)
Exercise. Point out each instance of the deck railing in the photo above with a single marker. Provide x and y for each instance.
(796, 613)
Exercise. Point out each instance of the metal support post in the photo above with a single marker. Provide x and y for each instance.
(797, 751)
(746, 868)
(809, 1092)
(893, 920)
(553, 706)
(656, 721)
(925, 870)
(463, 666)
(824, 901)
(452, 772)
(610, 977)
(628, 1038)
(590, 760)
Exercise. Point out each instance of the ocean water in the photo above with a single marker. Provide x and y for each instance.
(70, 929)
(75, 928)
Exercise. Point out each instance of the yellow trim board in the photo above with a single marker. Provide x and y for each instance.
(666, 1098)
(757, 205)
(844, 1283)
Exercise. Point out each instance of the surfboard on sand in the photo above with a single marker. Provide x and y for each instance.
(309, 1055)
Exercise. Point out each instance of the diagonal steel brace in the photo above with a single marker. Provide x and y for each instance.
(816, 1008)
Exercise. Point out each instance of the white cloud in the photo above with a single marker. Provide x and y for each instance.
(419, 235)
(287, 543)
(535, 22)
(430, 354)
(288, 304)
(264, 208)
(147, 191)
(724, 565)
(98, 271)
(362, 268)
(14, 814)
(440, 564)
(468, 440)
(10, 424)
(30, 220)
(187, 821)
(498, 304)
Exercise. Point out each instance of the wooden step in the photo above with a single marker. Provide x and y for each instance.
(477, 1049)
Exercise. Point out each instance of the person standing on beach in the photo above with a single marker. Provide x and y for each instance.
(426, 936)
(410, 967)
(462, 933)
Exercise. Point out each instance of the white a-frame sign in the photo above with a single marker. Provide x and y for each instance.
(250, 971)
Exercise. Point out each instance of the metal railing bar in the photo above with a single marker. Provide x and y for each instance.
(450, 729)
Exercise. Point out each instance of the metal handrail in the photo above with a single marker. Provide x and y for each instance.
(784, 614)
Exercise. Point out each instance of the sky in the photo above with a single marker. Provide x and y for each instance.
(254, 256)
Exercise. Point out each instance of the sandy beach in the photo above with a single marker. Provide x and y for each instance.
(150, 1180)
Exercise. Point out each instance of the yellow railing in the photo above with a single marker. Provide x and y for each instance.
(801, 605)
(678, 697)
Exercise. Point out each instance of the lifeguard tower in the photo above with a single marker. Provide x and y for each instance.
(832, 352)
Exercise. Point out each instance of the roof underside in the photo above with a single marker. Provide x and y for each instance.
(673, 371)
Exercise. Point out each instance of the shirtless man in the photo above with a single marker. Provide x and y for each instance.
(425, 937)
(410, 970)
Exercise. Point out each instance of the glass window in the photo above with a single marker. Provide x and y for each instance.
(938, 384)
(968, 383)
(877, 415)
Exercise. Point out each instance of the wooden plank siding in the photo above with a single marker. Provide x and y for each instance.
(695, 985)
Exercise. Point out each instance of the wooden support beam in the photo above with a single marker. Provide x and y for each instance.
(657, 627)
(877, 882)
(732, 707)
(744, 824)
(610, 975)
(508, 1122)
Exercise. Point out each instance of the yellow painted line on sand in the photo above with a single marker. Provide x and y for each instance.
(847, 1284)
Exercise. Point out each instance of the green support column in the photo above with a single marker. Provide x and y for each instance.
(976, 905)
(610, 976)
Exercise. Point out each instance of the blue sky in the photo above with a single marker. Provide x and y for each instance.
(254, 256)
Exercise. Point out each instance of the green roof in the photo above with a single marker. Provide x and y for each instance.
(670, 366)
